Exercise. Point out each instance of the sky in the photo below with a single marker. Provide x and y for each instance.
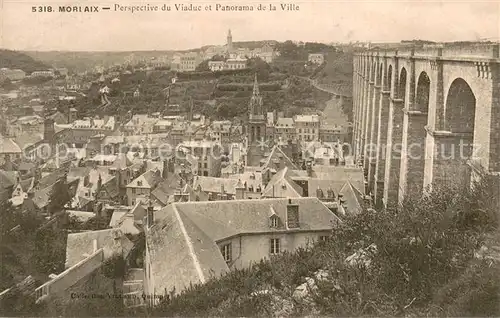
(315, 21)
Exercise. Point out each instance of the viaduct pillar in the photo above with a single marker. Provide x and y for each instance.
(364, 88)
(368, 119)
(435, 119)
(383, 119)
(413, 125)
(374, 145)
(394, 138)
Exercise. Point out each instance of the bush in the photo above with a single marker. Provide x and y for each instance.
(114, 267)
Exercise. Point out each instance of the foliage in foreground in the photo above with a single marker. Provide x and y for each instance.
(424, 265)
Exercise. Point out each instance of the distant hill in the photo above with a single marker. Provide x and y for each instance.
(81, 61)
(14, 59)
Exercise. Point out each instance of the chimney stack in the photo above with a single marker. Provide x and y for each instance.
(330, 194)
(240, 191)
(164, 174)
(292, 215)
(309, 168)
(150, 215)
(319, 193)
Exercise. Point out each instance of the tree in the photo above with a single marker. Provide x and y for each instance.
(59, 196)
(260, 67)
(288, 49)
(50, 250)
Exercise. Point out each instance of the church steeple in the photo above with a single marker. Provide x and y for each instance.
(256, 100)
(256, 119)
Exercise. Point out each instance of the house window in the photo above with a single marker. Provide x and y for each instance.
(323, 238)
(275, 246)
(205, 165)
(205, 173)
(274, 221)
(226, 251)
(133, 190)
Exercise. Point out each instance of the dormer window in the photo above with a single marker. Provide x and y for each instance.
(274, 221)
(139, 183)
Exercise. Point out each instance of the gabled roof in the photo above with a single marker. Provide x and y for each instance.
(215, 185)
(28, 139)
(222, 219)
(117, 217)
(79, 244)
(181, 253)
(278, 159)
(341, 173)
(8, 146)
(42, 197)
(353, 199)
(111, 187)
(282, 186)
(148, 180)
(52, 177)
(166, 188)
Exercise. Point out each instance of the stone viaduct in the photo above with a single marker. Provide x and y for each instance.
(424, 116)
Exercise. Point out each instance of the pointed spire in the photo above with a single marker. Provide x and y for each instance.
(255, 86)
(255, 106)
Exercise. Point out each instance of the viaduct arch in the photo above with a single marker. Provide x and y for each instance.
(426, 116)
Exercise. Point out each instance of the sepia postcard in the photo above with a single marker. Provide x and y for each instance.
(234, 158)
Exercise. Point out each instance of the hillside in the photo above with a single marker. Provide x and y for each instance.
(223, 95)
(14, 59)
(81, 61)
(338, 72)
(416, 262)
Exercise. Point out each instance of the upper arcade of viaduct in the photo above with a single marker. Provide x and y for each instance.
(426, 115)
